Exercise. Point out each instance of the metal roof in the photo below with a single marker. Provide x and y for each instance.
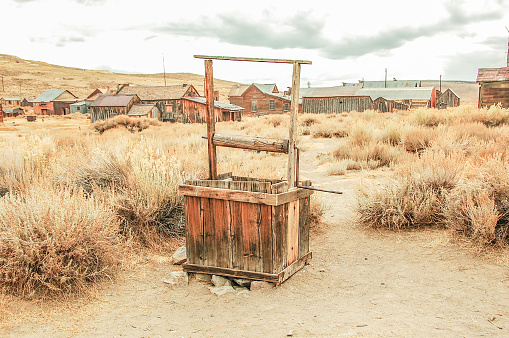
(266, 88)
(174, 92)
(141, 109)
(493, 74)
(388, 84)
(238, 90)
(217, 104)
(11, 99)
(395, 94)
(112, 100)
(452, 91)
(49, 95)
(327, 91)
(78, 104)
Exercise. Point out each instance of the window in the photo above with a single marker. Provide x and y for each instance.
(254, 107)
(271, 105)
(287, 107)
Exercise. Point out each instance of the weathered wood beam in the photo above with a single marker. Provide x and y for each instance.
(211, 119)
(251, 143)
(234, 58)
(292, 174)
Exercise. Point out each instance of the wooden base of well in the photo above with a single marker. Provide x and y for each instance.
(266, 277)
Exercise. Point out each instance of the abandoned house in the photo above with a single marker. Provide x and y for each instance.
(54, 102)
(195, 110)
(168, 99)
(412, 97)
(493, 87)
(13, 112)
(385, 84)
(333, 100)
(148, 110)
(107, 106)
(80, 107)
(448, 99)
(11, 102)
(259, 99)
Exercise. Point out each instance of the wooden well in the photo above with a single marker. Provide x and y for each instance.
(246, 228)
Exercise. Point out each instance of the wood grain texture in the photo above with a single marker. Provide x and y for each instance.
(251, 143)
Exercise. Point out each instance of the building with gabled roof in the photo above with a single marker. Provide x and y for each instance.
(168, 99)
(195, 110)
(11, 102)
(385, 84)
(107, 106)
(148, 110)
(412, 97)
(493, 86)
(448, 99)
(54, 102)
(259, 99)
(333, 100)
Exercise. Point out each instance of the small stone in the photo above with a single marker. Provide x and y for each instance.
(177, 278)
(240, 288)
(258, 285)
(321, 270)
(243, 282)
(180, 256)
(219, 281)
(202, 277)
(223, 290)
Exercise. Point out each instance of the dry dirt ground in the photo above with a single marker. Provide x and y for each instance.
(360, 282)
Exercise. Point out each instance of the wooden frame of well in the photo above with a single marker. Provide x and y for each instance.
(243, 227)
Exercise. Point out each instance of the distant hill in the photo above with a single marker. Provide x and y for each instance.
(26, 78)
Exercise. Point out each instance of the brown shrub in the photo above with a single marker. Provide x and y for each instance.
(54, 242)
(131, 123)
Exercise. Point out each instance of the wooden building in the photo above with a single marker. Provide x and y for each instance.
(259, 99)
(13, 112)
(413, 97)
(168, 99)
(383, 105)
(11, 102)
(148, 110)
(448, 99)
(54, 102)
(385, 84)
(195, 110)
(493, 87)
(27, 102)
(107, 106)
(80, 107)
(333, 100)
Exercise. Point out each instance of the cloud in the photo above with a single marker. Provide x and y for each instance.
(397, 37)
(465, 66)
(304, 31)
(299, 31)
(63, 41)
(91, 2)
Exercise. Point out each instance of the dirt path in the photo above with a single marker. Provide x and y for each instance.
(360, 283)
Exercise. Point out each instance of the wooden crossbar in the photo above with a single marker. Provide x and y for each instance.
(235, 58)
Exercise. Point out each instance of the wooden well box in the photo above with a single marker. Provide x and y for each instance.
(246, 228)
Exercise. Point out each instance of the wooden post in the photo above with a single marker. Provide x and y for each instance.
(293, 126)
(211, 119)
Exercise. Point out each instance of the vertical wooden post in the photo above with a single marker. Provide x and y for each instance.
(211, 120)
(293, 126)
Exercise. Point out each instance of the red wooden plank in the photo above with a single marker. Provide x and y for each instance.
(222, 232)
(251, 236)
(194, 233)
(279, 229)
(237, 250)
(210, 245)
(293, 232)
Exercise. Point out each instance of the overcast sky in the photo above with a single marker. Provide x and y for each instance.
(345, 40)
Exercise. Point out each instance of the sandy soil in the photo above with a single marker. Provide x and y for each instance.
(361, 282)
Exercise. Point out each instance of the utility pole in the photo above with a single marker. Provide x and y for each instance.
(507, 64)
(3, 88)
(440, 83)
(385, 83)
(164, 72)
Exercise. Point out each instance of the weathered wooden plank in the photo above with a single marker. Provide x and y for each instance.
(279, 230)
(234, 58)
(304, 226)
(244, 196)
(237, 249)
(266, 239)
(237, 273)
(251, 143)
(293, 126)
(293, 232)
(209, 233)
(194, 233)
(251, 236)
(294, 267)
(279, 188)
(222, 232)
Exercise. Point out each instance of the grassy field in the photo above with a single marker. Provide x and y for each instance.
(75, 196)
